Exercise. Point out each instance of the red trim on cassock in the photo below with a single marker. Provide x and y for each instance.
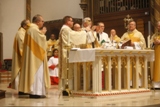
(54, 80)
(52, 67)
(55, 56)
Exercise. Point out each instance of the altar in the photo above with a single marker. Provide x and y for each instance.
(103, 72)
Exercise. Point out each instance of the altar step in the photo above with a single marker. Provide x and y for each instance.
(114, 94)
(5, 77)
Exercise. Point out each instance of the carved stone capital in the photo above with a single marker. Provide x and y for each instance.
(84, 7)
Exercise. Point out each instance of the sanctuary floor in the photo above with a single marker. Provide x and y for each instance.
(53, 99)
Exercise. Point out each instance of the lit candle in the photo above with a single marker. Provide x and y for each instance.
(149, 33)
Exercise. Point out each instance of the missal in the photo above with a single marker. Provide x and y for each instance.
(127, 43)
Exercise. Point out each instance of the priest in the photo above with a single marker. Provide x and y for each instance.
(156, 71)
(17, 53)
(51, 45)
(136, 37)
(114, 36)
(137, 42)
(67, 39)
(34, 77)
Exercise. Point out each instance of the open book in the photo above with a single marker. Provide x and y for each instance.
(127, 43)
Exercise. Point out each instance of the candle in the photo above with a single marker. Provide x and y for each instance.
(111, 38)
(148, 40)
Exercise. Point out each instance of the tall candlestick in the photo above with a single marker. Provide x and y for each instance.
(111, 38)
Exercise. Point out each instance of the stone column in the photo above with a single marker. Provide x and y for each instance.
(155, 13)
(28, 9)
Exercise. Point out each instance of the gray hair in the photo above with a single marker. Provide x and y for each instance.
(36, 18)
(132, 21)
(87, 19)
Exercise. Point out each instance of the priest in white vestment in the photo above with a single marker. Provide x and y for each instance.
(101, 35)
(34, 76)
(68, 37)
(136, 37)
(114, 36)
(91, 40)
(17, 53)
(137, 41)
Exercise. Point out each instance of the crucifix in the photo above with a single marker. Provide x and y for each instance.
(127, 19)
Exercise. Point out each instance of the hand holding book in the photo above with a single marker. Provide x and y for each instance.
(127, 43)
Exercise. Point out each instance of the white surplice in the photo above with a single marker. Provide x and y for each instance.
(53, 72)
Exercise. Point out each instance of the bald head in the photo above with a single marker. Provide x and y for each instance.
(77, 27)
(113, 32)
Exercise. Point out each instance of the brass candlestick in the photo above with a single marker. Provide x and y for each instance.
(150, 81)
(67, 91)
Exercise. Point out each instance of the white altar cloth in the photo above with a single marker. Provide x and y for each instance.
(81, 55)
